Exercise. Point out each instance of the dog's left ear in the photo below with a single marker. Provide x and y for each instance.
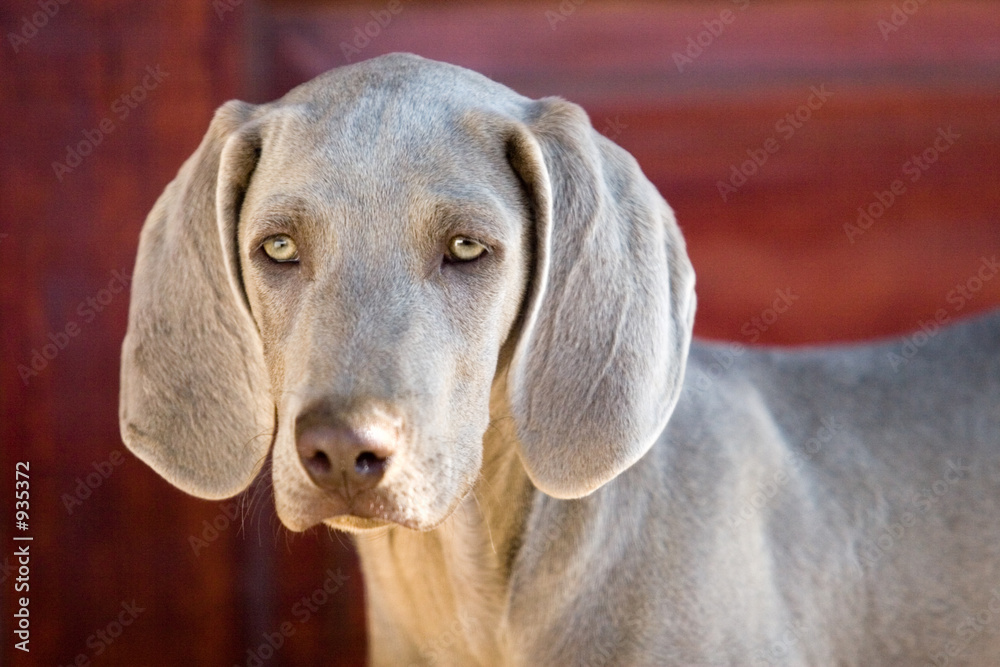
(600, 360)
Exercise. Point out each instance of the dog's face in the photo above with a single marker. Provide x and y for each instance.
(348, 274)
(384, 276)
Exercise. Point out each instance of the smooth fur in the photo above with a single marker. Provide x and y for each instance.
(574, 483)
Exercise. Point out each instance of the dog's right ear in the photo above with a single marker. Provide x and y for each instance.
(195, 402)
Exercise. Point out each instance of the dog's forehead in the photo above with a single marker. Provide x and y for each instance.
(394, 138)
(380, 182)
(394, 110)
(404, 82)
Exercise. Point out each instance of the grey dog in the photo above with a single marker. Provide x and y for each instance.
(459, 322)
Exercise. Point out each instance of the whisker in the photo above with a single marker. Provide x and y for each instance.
(486, 520)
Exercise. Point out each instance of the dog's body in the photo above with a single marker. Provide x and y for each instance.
(801, 508)
(461, 320)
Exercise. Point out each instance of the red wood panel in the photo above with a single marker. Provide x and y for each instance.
(690, 88)
(101, 105)
(92, 132)
(63, 239)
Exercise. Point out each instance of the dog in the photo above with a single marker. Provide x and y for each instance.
(459, 322)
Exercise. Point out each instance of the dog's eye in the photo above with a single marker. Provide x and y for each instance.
(463, 249)
(281, 248)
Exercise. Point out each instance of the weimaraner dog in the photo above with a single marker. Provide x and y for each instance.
(459, 322)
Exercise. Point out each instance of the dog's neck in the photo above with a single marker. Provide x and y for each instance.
(439, 596)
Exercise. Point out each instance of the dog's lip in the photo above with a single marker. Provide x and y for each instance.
(355, 524)
(367, 510)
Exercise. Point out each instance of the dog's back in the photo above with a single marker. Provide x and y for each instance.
(895, 448)
(816, 506)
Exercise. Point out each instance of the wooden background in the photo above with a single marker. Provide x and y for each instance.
(129, 540)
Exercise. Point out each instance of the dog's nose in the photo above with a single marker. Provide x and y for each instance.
(345, 460)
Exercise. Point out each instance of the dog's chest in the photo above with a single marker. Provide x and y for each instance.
(433, 598)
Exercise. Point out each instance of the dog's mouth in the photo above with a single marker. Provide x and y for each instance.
(354, 524)
(302, 509)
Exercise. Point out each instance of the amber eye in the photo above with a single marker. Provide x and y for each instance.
(281, 248)
(464, 249)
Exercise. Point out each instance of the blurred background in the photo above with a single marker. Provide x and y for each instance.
(835, 168)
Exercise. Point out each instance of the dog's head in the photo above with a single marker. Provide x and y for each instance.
(347, 272)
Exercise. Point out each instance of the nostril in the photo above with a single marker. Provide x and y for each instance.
(369, 464)
(344, 459)
(320, 462)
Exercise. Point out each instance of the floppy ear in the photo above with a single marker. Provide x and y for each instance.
(600, 360)
(195, 402)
